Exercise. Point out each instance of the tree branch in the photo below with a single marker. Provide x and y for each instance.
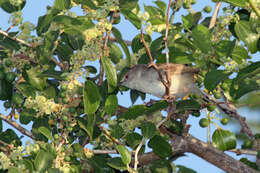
(17, 126)
(215, 14)
(15, 39)
(182, 144)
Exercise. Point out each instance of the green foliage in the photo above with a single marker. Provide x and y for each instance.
(71, 108)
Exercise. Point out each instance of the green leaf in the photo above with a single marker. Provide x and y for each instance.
(89, 125)
(184, 169)
(191, 20)
(201, 37)
(239, 53)
(148, 129)
(9, 136)
(6, 90)
(154, 12)
(224, 139)
(44, 21)
(129, 4)
(43, 161)
(160, 146)
(133, 139)
(110, 73)
(32, 77)
(91, 97)
(224, 48)
(125, 154)
(161, 166)
(8, 7)
(240, 3)
(115, 53)
(77, 148)
(246, 81)
(26, 116)
(161, 5)
(98, 162)
(184, 105)
(62, 4)
(1, 125)
(116, 131)
(133, 112)
(134, 94)
(247, 35)
(13, 170)
(214, 77)
(117, 163)
(111, 104)
(46, 132)
(133, 18)
(26, 89)
(74, 25)
(120, 40)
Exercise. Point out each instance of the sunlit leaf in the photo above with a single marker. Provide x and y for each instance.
(110, 73)
(125, 154)
(91, 97)
(201, 37)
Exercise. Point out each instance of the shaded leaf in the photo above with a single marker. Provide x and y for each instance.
(184, 105)
(91, 97)
(8, 7)
(160, 146)
(224, 48)
(120, 40)
(44, 21)
(117, 163)
(246, 81)
(133, 139)
(129, 4)
(46, 132)
(43, 161)
(133, 112)
(115, 53)
(214, 77)
(201, 37)
(111, 104)
(224, 139)
(26, 89)
(88, 126)
(32, 77)
(239, 54)
(110, 73)
(148, 129)
(133, 18)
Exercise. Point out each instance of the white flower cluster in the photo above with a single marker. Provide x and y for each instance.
(16, 2)
(42, 105)
(98, 30)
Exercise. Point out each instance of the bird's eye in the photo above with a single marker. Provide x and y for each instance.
(126, 76)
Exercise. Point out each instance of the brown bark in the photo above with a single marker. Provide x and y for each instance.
(203, 150)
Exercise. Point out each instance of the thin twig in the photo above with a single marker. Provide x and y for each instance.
(242, 151)
(17, 126)
(127, 42)
(104, 151)
(166, 42)
(114, 140)
(13, 25)
(58, 63)
(15, 39)
(148, 51)
(215, 14)
(137, 151)
(255, 9)
(10, 146)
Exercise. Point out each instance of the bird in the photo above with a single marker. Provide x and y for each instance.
(152, 79)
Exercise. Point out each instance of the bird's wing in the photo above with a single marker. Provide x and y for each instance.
(178, 68)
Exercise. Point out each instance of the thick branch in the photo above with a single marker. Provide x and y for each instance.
(17, 126)
(203, 150)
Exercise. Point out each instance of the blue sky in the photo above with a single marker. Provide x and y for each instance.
(36, 8)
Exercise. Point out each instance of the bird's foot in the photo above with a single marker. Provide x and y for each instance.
(152, 64)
